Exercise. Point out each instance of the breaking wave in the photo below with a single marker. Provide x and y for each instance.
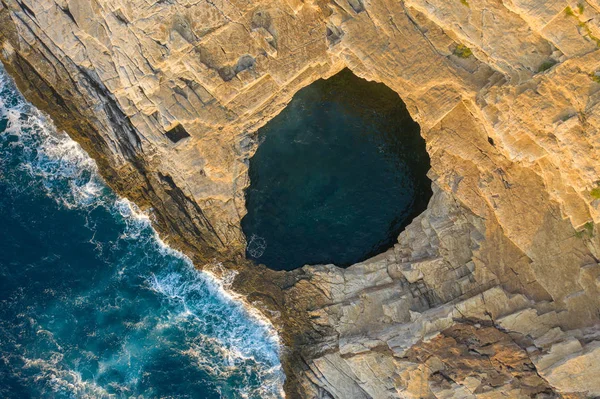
(92, 303)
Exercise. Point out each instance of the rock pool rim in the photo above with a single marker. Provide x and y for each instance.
(384, 122)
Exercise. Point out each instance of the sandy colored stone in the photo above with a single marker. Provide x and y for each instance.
(508, 248)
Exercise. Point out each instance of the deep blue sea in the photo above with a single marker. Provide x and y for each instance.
(92, 303)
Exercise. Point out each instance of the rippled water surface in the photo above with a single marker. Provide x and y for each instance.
(92, 304)
(337, 175)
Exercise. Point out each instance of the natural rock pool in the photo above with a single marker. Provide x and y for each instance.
(336, 177)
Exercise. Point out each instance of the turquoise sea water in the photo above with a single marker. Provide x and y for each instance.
(336, 177)
(92, 304)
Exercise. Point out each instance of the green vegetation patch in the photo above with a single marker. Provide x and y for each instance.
(587, 30)
(465, 3)
(588, 231)
(462, 51)
(580, 8)
(569, 12)
(546, 65)
(595, 193)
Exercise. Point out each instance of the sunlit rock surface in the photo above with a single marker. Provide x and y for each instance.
(506, 94)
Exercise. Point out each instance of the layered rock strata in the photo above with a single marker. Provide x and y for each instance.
(491, 292)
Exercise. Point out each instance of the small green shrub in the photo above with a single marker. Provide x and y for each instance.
(580, 8)
(595, 193)
(595, 77)
(587, 231)
(566, 117)
(587, 30)
(569, 11)
(546, 65)
(462, 51)
(465, 3)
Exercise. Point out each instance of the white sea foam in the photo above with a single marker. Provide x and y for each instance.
(256, 246)
(70, 177)
(68, 174)
(50, 374)
(239, 343)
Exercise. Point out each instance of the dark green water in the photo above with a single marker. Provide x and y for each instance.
(337, 176)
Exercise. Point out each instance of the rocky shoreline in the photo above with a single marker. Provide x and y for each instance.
(492, 291)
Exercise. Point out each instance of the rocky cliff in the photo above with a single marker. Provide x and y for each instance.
(492, 292)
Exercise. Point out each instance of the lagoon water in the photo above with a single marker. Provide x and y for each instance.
(336, 177)
(92, 304)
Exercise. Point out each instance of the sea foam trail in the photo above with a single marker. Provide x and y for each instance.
(120, 314)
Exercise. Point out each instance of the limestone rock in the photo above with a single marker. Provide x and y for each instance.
(501, 269)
